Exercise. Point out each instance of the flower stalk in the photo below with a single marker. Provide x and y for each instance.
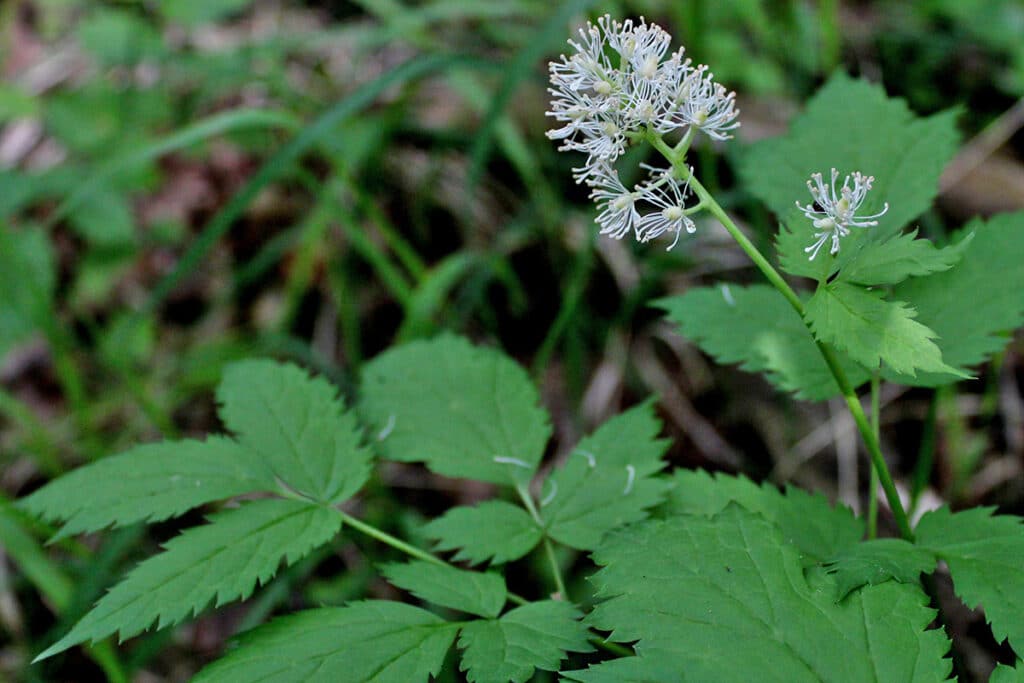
(647, 96)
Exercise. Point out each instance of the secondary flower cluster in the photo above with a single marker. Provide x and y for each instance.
(619, 84)
(833, 213)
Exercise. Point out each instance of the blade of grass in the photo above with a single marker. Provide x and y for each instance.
(428, 298)
(278, 164)
(50, 581)
(38, 437)
(217, 124)
(520, 68)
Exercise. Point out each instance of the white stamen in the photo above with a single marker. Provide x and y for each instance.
(512, 461)
(631, 475)
(386, 432)
(727, 295)
(591, 460)
(551, 496)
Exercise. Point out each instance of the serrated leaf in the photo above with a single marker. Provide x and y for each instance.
(466, 411)
(510, 532)
(726, 599)
(298, 425)
(807, 521)
(973, 305)
(375, 641)
(480, 593)
(852, 126)
(148, 483)
(534, 636)
(608, 480)
(1008, 674)
(220, 561)
(985, 556)
(876, 561)
(757, 328)
(871, 330)
(894, 260)
(27, 280)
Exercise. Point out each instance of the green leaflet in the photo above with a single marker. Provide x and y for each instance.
(878, 560)
(726, 599)
(1007, 674)
(534, 636)
(297, 425)
(376, 641)
(872, 331)
(149, 483)
(808, 521)
(480, 593)
(887, 261)
(608, 480)
(466, 411)
(510, 532)
(220, 561)
(985, 555)
(892, 261)
(851, 125)
(757, 328)
(973, 306)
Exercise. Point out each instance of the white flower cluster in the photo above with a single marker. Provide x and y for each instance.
(620, 84)
(836, 212)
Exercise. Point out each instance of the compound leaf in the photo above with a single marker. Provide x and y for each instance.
(871, 330)
(853, 126)
(879, 560)
(726, 598)
(534, 636)
(511, 532)
(466, 411)
(480, 593)
(298, 425)
(608, 480)
(973, 306)
(757, 328)
(376, 641)
(985, 556)
(805, 520)
(220, 561)
(148, 483)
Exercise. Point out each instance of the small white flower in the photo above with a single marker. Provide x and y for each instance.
(643, 45)
(649, 104)
(618, 214)
(707, 105)
(837, 211)
(622, 85)
(668, 195)
(589, 68)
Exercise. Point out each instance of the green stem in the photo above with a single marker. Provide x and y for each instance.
(773, 276)
(873, 484)
(556, 571)
(388, 539)
(400, 545)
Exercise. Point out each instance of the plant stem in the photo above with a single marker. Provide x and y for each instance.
(556, 571)
(399, 544)
(873, 484)
(773, 276)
